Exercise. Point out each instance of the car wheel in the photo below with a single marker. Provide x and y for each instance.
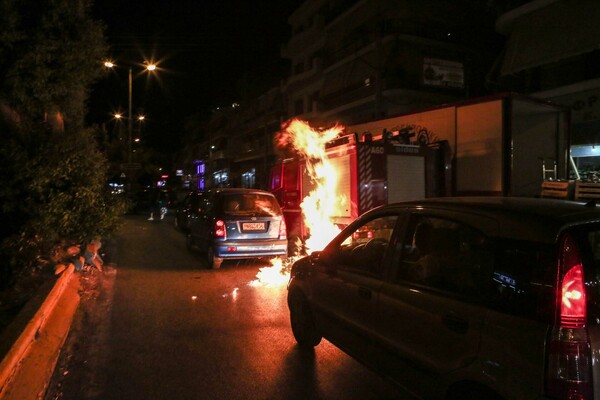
(302, 320)
(213, 262)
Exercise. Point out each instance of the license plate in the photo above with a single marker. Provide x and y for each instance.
(253, 226)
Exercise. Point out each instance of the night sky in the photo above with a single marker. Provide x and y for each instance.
(208, 53)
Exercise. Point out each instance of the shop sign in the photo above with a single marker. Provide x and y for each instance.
(443, 73)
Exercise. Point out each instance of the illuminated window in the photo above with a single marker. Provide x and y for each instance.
(249, 178)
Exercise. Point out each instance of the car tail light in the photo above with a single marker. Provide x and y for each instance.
(220, 230)
(569, 374)
(282, 229)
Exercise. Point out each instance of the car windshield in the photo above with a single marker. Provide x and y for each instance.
(250, 203)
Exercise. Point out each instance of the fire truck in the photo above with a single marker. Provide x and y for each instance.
(369, 172)
(488, 146)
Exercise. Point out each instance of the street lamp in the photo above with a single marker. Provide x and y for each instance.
(148, 66)
(140, 118)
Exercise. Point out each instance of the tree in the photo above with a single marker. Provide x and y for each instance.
(54, 187)
(50, 53)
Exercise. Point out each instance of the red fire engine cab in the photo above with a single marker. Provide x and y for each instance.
(370, 173)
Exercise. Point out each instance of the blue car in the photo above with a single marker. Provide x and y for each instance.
(238, 224)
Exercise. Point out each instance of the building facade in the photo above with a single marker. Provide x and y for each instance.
(354, 61)
(552, 52)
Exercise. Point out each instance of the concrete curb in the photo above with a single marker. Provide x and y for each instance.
(27, 367)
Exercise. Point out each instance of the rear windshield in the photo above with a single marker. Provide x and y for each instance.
(249, 203)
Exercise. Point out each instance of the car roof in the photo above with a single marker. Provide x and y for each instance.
(517, 217)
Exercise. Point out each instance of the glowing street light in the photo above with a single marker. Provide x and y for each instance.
(149, 66)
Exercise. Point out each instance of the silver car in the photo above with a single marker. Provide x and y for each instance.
(238, 224)
(472, 298)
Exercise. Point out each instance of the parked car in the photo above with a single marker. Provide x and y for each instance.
(462, 298)
(238, 224)
(189, 208)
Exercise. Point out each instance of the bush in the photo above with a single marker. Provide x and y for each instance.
(54, 189)
(53, 186)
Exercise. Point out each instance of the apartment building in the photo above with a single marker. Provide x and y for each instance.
(553, 53)
(353, 61)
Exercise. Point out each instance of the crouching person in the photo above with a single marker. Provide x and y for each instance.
(74, 257)
(91, 256)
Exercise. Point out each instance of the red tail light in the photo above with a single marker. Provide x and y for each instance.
(220, 230)
(572, 307)
(282, 229)
(569, 374)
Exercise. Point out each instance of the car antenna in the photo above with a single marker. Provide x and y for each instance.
(591, 203)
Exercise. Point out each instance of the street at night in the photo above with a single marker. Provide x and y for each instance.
(160, 325)
(307, 199)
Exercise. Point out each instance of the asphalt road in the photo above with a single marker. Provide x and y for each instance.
(159, 325)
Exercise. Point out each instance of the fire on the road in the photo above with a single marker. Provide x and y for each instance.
(275, 275)
(319, 204)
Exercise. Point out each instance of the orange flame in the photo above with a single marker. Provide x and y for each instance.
(320, 204)
(276, 275)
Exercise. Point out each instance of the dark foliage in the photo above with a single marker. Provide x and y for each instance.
(54, 184)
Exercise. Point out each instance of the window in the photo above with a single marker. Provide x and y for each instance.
(442, 254)
(520, 278)
(221, 178)
(290, 175)
(363, 250)
(511, 276)
(275, 177)
(249, 178)
(250, 204)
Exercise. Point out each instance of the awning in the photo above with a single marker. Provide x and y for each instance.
(560, 30)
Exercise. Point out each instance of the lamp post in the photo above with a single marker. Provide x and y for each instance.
(129, 122)
(149, 66)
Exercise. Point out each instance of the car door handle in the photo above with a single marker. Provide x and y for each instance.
(364, 293)
(456, 324)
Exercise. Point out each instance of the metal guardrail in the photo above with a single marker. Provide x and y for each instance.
(27, 367)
